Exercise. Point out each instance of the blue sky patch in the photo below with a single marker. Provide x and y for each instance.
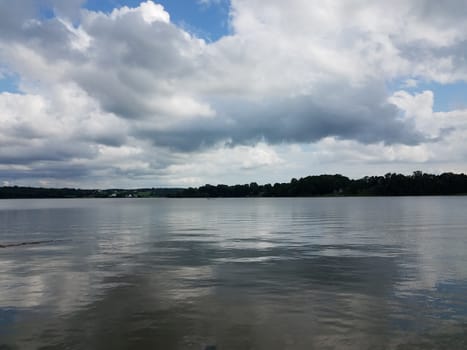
(46, 12)
(9, 83)
(447, 97)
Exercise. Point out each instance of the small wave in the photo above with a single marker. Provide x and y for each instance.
(11, 245)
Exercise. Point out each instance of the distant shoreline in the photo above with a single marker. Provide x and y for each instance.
(391, 184)
(250, 197)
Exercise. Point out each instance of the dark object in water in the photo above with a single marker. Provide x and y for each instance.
(210, 347)
(26, 243)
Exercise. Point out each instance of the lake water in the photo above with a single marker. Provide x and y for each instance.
(311, 273)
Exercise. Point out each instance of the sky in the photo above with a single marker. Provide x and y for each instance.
(115, 93)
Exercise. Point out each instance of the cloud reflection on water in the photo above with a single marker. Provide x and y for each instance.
(179, 274)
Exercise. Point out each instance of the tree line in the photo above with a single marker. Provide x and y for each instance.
(391, 184)
(41, 192)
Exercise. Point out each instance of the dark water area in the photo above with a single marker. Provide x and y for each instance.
(264, 273)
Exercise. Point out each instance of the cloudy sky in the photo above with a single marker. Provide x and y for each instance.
(186, 92)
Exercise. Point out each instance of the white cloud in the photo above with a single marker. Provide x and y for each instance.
(149, 12)
(223, 163)
(81, 40)
(410, 83)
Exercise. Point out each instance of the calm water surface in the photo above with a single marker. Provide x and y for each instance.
(313, 273)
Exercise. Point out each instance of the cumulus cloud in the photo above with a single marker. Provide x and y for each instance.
(130, 94)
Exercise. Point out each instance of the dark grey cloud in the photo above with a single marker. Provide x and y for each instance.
(46, 170)
(50, 150)
(344, 112)
(443, 12)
